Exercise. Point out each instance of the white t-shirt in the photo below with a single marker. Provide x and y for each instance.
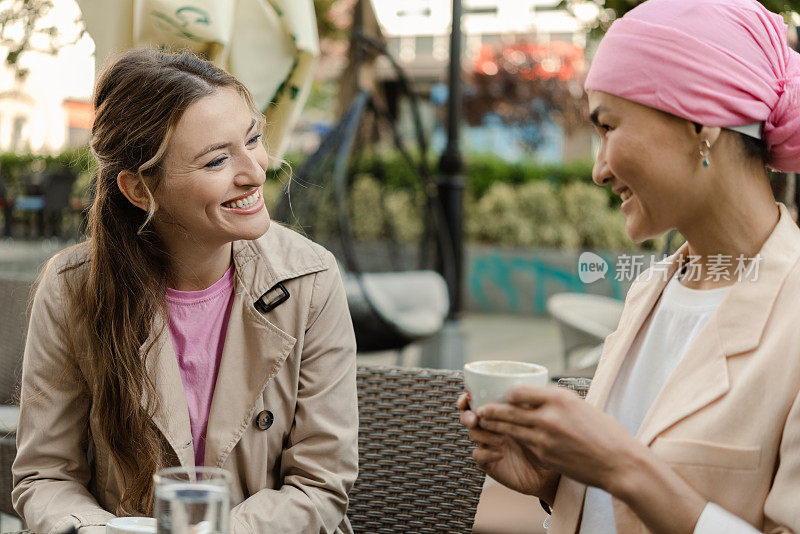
(660, 344)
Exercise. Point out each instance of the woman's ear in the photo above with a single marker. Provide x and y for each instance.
(135, 190)
(711, 133)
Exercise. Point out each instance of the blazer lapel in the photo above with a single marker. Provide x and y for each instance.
(640, 301)
(172, 416)
(736, 327)
(702, 375)
(700, 378)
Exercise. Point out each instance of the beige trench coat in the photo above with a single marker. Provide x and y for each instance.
(728, 418)
(297, 361)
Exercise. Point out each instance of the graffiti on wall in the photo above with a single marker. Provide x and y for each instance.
(505, 280)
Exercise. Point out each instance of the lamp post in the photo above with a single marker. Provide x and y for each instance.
(451, 166)
(447, 351)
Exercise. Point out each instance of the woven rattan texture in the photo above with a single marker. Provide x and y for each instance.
(8, 449)
(416, 474)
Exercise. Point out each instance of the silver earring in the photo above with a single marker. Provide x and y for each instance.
(705, 150)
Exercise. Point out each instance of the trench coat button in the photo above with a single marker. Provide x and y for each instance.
(264, 419)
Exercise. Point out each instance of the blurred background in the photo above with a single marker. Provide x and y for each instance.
(440, 148)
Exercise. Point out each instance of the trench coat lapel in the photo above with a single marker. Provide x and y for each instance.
(255, 348)
(172, 414)
(254, 351)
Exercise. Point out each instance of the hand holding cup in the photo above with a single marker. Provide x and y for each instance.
(489, 381)
(499, 456)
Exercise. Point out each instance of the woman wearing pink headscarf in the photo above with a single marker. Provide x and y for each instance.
(692, 423)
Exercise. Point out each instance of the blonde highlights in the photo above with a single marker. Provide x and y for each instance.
(139, 99)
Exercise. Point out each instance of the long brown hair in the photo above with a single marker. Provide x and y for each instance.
(139, 99)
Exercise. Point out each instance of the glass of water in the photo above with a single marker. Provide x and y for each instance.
(192, 500)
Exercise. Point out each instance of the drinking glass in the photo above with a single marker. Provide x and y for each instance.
(192, 500)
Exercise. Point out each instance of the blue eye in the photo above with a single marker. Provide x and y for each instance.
(216, 163)
(254, 139)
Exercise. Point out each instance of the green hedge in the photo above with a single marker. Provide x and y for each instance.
(534, 214)
(484, 171)
(480, 171)
(13, 166)
(516, 204)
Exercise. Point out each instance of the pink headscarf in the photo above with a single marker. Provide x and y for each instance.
(715, 62)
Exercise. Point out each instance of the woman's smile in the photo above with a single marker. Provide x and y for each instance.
(250, 202)
(218, 204)
(627, 201)
(626, 195)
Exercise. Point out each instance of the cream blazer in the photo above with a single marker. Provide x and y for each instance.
(296, 361)
(728, 418)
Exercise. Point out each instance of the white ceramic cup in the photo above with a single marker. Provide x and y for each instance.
(131, 525)
(489, 381)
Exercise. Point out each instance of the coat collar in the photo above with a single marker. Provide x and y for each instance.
(701, 376)
(172, 412)
(280, 254)
(254, 347)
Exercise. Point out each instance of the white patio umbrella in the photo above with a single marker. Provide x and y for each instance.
(270, 45)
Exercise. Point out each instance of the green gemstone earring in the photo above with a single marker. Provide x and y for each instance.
(705, 150)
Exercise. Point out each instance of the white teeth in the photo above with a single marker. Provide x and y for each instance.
(244, 202)
(625, 195)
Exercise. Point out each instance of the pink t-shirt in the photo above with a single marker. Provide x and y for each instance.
(198, 323)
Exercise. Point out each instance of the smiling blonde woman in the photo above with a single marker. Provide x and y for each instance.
(692, 421)
(186, 330)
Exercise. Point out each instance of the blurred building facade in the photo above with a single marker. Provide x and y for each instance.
(417, 35)
(418, 31)
(47, 110)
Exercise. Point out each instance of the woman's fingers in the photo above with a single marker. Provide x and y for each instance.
(507, 413)
(484, 456)
(485, 438)
(519, 432)
(463, 402)
(531, 395)
(469, 419)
